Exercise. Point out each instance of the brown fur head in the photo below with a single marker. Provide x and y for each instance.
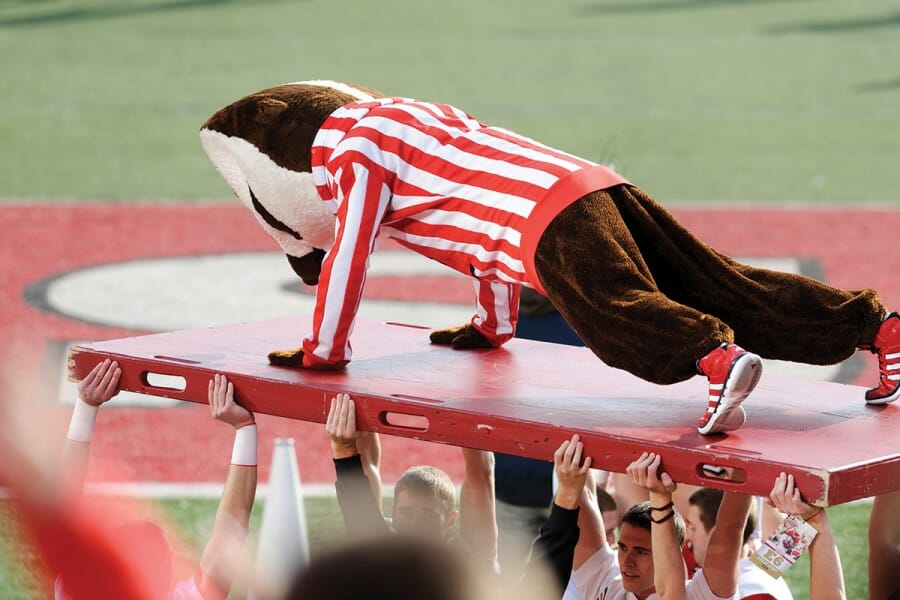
(282, 121)
(261, 145)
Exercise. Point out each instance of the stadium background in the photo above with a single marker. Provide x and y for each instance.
(771, 128)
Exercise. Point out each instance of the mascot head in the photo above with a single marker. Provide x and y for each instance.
(261, 145)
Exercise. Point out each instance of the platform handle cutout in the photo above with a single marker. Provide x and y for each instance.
(172, 383)
(716, 472)
(404, 421)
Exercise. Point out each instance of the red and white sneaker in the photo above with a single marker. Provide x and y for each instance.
(733, 373)
(887, 345)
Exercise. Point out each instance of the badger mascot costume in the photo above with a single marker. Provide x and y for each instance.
(327, 167)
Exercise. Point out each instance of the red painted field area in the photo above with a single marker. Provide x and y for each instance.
(182, 444)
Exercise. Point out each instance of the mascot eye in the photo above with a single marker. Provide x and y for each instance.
(269, 218)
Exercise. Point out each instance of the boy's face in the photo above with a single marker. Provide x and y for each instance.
(421, 515)
(636, 560)
(696, 534)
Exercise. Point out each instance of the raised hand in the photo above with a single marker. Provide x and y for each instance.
(223, 406)
(101, 384)
(571, 472)
(644, 473)
(341, 426)
(785, 497)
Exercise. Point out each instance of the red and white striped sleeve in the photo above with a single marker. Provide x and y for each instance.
(363, 199)
(497, 310)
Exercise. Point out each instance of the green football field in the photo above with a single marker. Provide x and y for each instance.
(732, 101)
(694, 100)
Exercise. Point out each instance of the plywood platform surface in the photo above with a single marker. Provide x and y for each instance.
(526, 398)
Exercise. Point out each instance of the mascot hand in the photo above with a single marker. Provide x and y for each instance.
(287, 358)
(461, 338)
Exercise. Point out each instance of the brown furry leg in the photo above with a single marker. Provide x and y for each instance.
(594, 274)
(776, 315)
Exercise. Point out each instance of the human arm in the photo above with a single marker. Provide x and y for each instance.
(369, 447)
(559, 533)
(222, 555)
(726, 541)
(348, 442)
(769, 519)
(592, 529)
(97, 388)
(477, 508)
(668, 564)
(359, 507)
(494, 323)
(826, 578)
(363, 200)
(626, 492)
(884, 546)
(71, 534)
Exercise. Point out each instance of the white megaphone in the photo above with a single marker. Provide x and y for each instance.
(283, 546)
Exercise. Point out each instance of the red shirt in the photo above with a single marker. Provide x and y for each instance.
(473, 197)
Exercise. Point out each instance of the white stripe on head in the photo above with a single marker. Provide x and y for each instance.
(337, 85)
(289, 196)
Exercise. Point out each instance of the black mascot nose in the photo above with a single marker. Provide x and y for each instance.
(308, 266)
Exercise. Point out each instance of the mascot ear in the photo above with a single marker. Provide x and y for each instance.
(269, 109)
(308, 266)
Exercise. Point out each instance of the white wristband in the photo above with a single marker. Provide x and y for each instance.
(244, 452)
(82, 424)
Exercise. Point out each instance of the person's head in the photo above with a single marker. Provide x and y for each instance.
(424, 501)
(610, 513)
(636, 550)
(701, 519)
(388, 567)
(262, 144)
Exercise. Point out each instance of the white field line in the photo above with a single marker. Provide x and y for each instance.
(156, 490)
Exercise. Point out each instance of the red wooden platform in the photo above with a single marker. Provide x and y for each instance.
(526, 398)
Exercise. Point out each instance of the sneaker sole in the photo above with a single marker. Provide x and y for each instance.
(741, 380)
(885, 399)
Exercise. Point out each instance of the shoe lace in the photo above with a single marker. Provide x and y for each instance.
(882, 366)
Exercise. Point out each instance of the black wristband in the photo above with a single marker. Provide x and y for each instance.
(662, 508)
(662, 519)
